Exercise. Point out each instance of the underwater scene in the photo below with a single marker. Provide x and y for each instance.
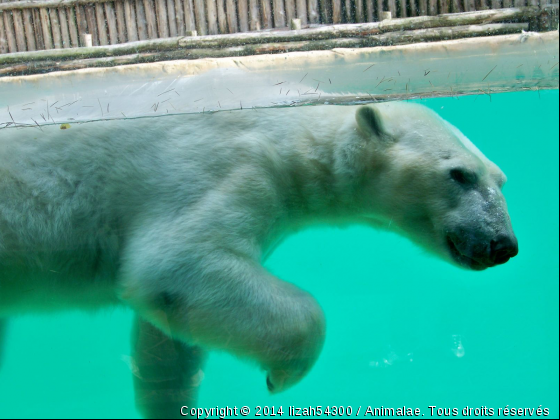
(403, 327)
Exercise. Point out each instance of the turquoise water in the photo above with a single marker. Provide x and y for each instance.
(404, 329)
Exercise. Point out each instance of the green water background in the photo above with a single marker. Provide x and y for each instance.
(395, 314)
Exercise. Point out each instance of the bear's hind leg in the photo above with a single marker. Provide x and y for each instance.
(167, 372)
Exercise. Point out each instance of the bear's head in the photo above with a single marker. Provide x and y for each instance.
(432, 184)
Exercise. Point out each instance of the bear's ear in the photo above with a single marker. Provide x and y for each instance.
(369, 121)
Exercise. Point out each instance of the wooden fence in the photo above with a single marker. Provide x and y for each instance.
(32, 25)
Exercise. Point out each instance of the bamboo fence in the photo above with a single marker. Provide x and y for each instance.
(32, 25)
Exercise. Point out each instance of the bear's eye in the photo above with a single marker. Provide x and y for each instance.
(463, 176)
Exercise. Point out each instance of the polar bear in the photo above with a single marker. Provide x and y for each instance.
(173, 217)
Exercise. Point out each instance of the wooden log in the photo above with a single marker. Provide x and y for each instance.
(46, 28)
(222, 19)
(28, 29)
(92, 24)
(290, 9)
(266, 10)
(72, 28)
(336, 11)
(200, 17)
(161, 19)
(101, 25)
(151, 23)
(121, 20)
(508, 3)
(380, 9)
(402, 13)
(141, 20)
(64, 32)
(37, 30)
(393, 8)
(519, 3)
(111, 22)
(243, 15)
(318, 34)
(231, 16)
(301, 11)
(19, 30)
(180, 17)
(497, 4)
(3, 41)
(432, 7)
(279, 14)
(189, 15)
(313, 11)
(326, 11)
(370, 14)
(423, 7)
(254, 18)
(9, 30)
(130, 21)
(444, 6)
(24, 66)
(347, 12)
(55, 28)
(469, 5)
(212, 13)
(172, 18)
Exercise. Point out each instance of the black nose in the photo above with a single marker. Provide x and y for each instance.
(503, 248)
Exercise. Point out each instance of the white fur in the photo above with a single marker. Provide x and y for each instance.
(172, 216)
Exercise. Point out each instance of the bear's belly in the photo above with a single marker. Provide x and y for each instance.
(28, 290)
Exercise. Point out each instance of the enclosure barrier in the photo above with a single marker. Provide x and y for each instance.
(31, 25)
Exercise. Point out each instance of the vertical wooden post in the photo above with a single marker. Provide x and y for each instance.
(172, 18)
(326, 11)
(313, 11)
(231, 16)
(111, 23)
(348, 10)
(359, 11)
(444, 6)
(290, 8)
(19, 30)
(72, 28)
(37, 30)
(151, 24)
(180, 16)
(469, 6)
(142, 23)
(301, 11)
(519, 3)
(222, 19)
(432, 7)
(212, 13)
(279, 14)
(369, 11)
(3, 40)
(92, 24)
(392, 5)
(55, 28)
(413, 8)
(380, 9)
(101, 25)
(254, 18)
(9, 30)
(243, 15)
(266, 14)
(189, 15)
(28, 29)
(336, 11)
(121, 20)
(402, 6)
(81, 22)
(161, 19)
(63, 22)
(200, 17)
(130, 19)
(497, 4)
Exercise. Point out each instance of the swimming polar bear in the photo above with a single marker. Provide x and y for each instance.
(173, 216)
